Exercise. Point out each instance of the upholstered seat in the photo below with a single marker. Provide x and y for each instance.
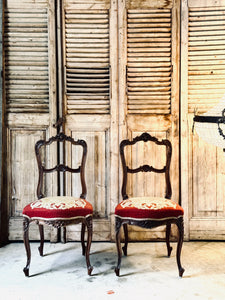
(148, 208)
(60, 207)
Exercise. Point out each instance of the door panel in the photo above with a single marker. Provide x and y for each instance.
(117, 76)
(30, 102)
(202, 85)
(149, 87)
(90, 102)
(97, 174)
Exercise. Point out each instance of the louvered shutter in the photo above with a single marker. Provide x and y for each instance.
(26, 60)
(206, 57)
(87, 61)
(149, 61)
(29, 74)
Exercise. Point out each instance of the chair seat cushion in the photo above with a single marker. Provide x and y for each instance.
(154, 208)
(60, 207)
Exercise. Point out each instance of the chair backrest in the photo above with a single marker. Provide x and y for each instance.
(60, 138)
(145, 137)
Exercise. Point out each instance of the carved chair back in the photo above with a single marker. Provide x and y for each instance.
(145, 137)
(60, 138)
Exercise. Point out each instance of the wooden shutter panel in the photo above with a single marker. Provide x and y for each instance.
(149, 61)
(26, 60)
(206, 57)
(87, 61)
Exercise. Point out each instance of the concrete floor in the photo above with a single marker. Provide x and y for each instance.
(145, 273)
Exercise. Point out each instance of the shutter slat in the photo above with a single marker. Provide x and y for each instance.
(87, 61)
(26, 60)
(149, 61)
(206, 58)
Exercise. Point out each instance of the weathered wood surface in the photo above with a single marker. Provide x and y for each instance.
(90, 102)
(30, 102)
(114, 82)
(202, 86)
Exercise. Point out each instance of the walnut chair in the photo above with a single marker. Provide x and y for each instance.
(148, 212)
(59, 211)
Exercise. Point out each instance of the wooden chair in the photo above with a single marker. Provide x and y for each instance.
(59, 211)
(148, 212)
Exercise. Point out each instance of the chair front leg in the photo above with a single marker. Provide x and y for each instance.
(89, 239)
(26, 224)
(118, 245)
(180, 225)
(41, 230)
(169, 248)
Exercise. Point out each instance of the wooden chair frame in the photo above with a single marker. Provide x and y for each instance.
(145, 137)
(85, 221)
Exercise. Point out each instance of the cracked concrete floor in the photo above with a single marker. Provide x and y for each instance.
(145, 273)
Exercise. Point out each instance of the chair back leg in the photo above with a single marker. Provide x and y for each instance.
(83, 226)
(41, 230)
(125, 229)
(169, 248)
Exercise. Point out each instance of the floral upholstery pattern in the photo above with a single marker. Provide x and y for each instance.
(60, 207)
(148, 208)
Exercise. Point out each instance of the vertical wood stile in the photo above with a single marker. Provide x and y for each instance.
(184, 142)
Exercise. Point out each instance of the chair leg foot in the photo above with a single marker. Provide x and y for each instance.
(83, 251)
(124, 250)
(169, 251)
(40, 249)
(117, 271)
(26, 271)
(90, 269)
(181, 271)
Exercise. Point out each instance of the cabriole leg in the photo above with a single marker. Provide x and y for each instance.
(169, 248)
(89, 239)
(118, 245)
(82, 238)
(26, 224)
(180, 225)
(41, 230)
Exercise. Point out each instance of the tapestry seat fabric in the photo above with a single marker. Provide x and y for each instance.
(150, 208)
(60, 207)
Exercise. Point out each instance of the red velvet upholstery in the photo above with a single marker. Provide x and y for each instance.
(148, 208)
(60, 207)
